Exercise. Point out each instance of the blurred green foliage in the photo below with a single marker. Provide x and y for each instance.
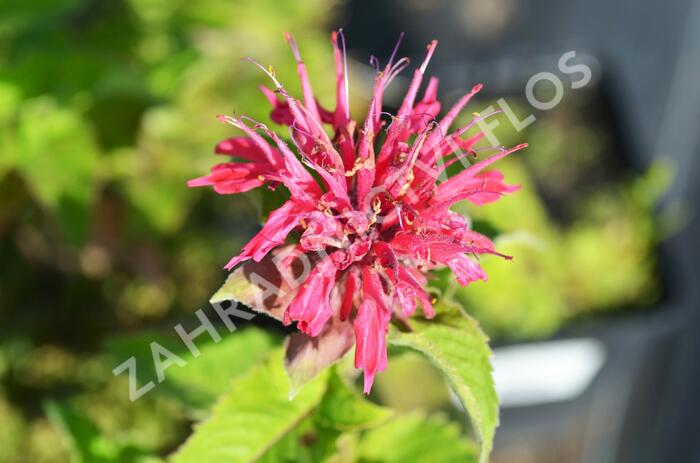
(107, 108)
(583, 229)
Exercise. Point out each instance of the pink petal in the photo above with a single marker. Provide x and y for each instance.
(279, 223)
(242, 147)
(406, 297)
(466, 270)
(370, 341)
(311, 307)
(230, 178)
(410, 280)
(351, 286)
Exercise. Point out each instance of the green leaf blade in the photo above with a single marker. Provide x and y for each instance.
(455, 344)
(418, 439)
(252, 417)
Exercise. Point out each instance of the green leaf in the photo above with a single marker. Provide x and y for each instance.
(344, 409)
(417, 439)
(455, 344)
(252, 417)
(204, 378)
(400, 388)
(158, 168)
(345, 449)
(308, 442)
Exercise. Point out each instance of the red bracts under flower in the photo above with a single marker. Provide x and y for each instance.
(379, 217)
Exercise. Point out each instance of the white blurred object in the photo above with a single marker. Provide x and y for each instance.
(544, 372)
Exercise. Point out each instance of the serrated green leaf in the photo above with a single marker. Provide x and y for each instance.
(455, 344)
(252, 417)
(418, 439)
(346, 410)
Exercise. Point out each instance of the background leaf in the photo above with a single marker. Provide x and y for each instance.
(57, 154)
(86, 443)
(418, 439)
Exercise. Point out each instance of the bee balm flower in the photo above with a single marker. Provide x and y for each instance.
(378, 217)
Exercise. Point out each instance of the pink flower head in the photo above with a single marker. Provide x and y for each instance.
(379, 215)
